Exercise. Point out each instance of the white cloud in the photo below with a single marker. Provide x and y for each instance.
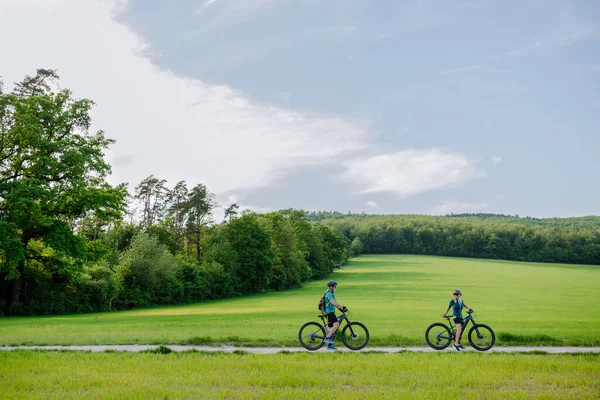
(457, 207)
(169, 126)
(371, 204)
(178, 128)
(496, 159)
(410, 172)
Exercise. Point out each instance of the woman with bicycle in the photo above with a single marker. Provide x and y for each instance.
(457, 304)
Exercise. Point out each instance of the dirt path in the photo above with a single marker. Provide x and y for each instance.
(273, 350)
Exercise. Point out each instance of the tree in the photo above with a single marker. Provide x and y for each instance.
(177, 200)
(290, 268)
(231, 212)
(199, 213)
(148, 274)
(310, 242)
(151, 192)
(356, 247)
(52, 173)
(253, 248)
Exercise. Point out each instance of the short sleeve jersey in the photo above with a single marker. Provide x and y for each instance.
(329, 308)
(457, 307)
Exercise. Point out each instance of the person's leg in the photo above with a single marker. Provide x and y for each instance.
(458, 331)
(333, 329)
(333, 325)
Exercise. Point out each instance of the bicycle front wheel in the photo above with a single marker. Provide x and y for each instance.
(438, 336)
(311, 336)
(355, 336)
(482, 337)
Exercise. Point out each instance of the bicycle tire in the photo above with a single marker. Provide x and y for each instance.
(354, 340)
(482, 336)
(442, 342)
(314, 343)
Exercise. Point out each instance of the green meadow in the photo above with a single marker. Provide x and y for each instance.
(395, 296)
(60, 375)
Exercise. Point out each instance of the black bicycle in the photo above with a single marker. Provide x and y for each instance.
(439, 336)
(312, 334)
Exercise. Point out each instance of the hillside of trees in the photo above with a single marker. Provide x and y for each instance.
(554, 240)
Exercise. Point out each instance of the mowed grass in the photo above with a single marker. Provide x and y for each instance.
(60, 375)
(396, 296)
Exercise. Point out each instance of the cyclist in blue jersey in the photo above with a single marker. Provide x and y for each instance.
(457, 304)
(330, 305)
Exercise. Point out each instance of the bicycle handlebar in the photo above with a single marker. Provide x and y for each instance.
(471, 311)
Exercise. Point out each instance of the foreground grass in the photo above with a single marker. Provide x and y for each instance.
(396, 296)
(28, 374)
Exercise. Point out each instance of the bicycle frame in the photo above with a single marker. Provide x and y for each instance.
(340, 319)
(465, 323)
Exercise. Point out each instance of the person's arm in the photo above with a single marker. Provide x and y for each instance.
(466, 306)
(336, 304)
(446, 312)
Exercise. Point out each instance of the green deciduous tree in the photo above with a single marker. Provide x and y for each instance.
(356, 247)
(254, 252)
(52, 174)
(148, 274)
(290, 267)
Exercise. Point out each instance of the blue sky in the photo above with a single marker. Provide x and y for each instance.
(383, 107)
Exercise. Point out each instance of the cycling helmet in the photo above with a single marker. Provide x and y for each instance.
(331, 283)
(457, 292)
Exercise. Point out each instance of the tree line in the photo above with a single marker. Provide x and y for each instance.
(553, 240)
(70, 243)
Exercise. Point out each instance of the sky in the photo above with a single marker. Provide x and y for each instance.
(383, 107)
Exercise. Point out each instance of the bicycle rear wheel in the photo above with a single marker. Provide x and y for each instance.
(311, 336)
(438, 336)
(355, 336)
(482, 337)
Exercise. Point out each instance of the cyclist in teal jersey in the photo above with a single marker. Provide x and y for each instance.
(330, 305)
(457, 304)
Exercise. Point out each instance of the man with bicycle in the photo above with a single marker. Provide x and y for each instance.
(330, 305)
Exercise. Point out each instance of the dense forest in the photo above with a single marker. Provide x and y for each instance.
(70, 242)
(556, 240)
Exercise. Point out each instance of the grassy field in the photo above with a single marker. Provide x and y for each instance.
(59, 375)
(396, 296)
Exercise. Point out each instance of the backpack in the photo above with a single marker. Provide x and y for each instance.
(321, 305)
